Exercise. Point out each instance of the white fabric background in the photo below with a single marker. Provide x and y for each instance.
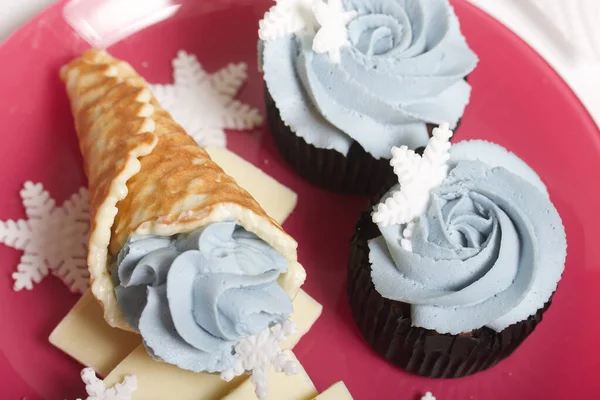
(565, 32)
(14, 13)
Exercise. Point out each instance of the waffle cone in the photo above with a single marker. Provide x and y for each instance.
(147, 176)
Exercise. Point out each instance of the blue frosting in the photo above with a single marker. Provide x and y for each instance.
(193, 296)
(489, 250)
(404, 68)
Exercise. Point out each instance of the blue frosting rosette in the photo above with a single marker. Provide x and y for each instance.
(382, 70)
(488, 250)
(194, 296)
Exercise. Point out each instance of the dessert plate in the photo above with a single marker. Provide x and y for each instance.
(518, 101)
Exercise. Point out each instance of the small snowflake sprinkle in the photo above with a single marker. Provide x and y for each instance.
(286, 17)
(332, 34)
(204, 104)
(256, 354)
(428, 396)
(53, 239)
(96, 389)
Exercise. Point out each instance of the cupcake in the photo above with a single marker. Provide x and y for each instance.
(459, 260)
(347, 80)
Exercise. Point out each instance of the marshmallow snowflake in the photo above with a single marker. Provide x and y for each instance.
(52, 239)
(332, 35)
(286, 17)
(329, 21)
(417, 176)
(204, 104)
(256, 354)
(96, 389)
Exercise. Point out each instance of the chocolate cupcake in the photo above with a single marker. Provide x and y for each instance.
(453, 271)
(348, 79)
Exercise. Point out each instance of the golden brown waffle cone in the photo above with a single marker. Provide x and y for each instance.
(147, 176)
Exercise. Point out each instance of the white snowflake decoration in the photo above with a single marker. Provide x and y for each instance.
(286, 17)
(205, 104)
(256, 354)
(96, 389)
(52, 239)
(428, 396)
(417, 176)
(332, 35)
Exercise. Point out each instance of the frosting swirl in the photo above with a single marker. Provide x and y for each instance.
(192, 297)
(404, 68)
(489, 251)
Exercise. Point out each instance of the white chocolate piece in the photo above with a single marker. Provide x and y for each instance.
(277, 200)
(306, 312)
(337, 391)
(84, 335)
(281, 386)
(160, 381)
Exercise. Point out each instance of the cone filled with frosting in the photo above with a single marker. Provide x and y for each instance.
(178, 251)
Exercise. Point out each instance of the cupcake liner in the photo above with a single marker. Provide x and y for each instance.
(386, 324)
(357, 173)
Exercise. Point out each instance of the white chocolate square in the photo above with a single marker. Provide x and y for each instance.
(277, 200)
(337, 391)
(281, 386)
(84, 335)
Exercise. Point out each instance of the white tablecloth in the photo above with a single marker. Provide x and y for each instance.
(14, 13)
(565, 32)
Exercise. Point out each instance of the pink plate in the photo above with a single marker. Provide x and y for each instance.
(518, 101)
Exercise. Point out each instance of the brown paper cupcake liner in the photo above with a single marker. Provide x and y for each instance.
(386, 324)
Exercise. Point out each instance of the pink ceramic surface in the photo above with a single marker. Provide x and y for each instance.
(518, 101)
